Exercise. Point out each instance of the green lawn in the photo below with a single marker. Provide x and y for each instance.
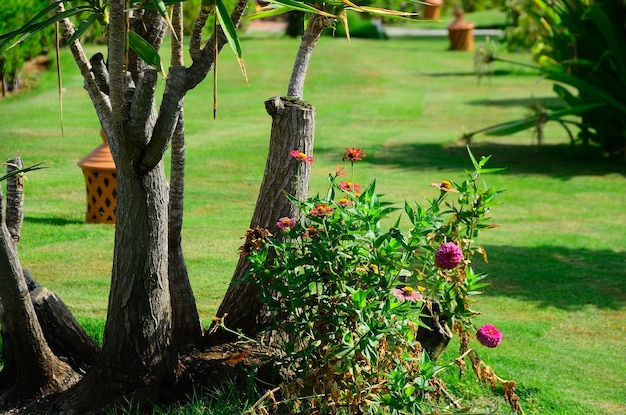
(557, 263)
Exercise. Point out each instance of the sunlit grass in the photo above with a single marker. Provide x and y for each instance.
(556, 263)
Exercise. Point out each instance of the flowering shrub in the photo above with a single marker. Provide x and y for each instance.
(351, 298)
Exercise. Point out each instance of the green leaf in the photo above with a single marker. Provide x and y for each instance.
(84, 25)
(269, 11)
(303, 7)
(231, 34)
(14, 173)
(32, 26)
(359, 298)
(145, 51)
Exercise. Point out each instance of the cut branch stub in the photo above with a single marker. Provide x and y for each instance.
(15, 199)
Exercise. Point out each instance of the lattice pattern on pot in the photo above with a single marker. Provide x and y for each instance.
(101, 196)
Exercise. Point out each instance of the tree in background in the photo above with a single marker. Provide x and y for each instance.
(12, 60)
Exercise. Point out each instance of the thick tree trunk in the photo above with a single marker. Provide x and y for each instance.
(37, 370)
(293, 126)
(137, 356)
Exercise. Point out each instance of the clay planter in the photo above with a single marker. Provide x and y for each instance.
(461, 33)
(432, 9)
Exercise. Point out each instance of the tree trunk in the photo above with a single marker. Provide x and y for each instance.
(137, 356)
(293, 126)
(37, 370)
(186, 321)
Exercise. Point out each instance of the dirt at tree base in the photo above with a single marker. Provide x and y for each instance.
(198, 370)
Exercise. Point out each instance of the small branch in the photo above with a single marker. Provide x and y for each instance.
(195, 41)
(267, 395)
(142, 107)
(314, 29)
(100, 72)
(100, 100)
(205, 59)
(166, 123)
(177, 58)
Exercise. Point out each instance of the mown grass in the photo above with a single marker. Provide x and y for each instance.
(556, 263)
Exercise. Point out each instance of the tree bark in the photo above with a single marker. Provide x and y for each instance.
(186, 320)
(37, 369)
(317, 24)
(293, 127)
(66, 338)
(15, 199)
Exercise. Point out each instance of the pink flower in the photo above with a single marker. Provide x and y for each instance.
(489, 336)
(353, 154)
(286, 223)
(350, 187)
(445, 186)
(448, 256)
(300, 156)
(406, 293)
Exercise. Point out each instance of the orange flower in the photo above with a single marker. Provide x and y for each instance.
(444, 186)
(322, 209)
(353, 154)
(343, 202)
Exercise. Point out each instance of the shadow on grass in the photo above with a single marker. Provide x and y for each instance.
(495, 73)
(52, 221)
(556, 276)
(559, 160)
(547, 102)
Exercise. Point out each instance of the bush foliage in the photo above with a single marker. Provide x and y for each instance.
(12, 15)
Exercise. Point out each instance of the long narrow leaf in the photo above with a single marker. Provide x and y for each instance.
(529, 122)
(84, 25)
(296, 5)
(14, 173)
(145, 51)
(34, 27)
(269, 11)
(7, 37)
(231, 34)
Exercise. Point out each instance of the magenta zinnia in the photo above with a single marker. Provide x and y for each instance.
(286, 223)
(448, 256)
(406, 293)
(300, 156)
(489, 336)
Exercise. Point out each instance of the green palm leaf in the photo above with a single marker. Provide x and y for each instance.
(145, 51)
(231, 34)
